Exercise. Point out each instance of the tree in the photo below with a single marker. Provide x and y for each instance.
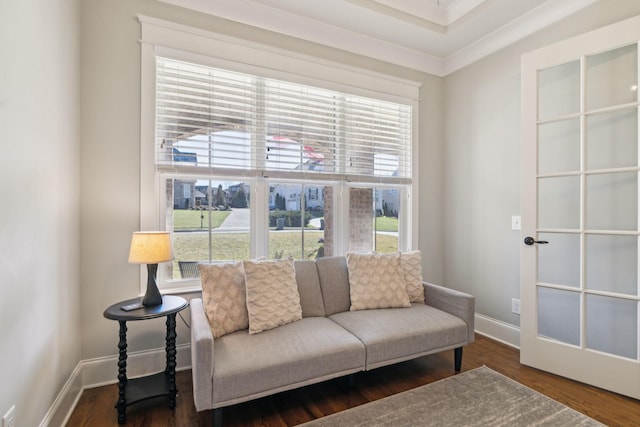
(240, 198)
(221, 200)
(387, 211)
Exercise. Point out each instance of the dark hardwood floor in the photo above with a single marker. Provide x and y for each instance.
(96, 406)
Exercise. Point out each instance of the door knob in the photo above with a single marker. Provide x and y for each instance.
(530, 241)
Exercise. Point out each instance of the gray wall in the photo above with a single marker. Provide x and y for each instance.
(110, 157)
(482, 164)
(39, 258)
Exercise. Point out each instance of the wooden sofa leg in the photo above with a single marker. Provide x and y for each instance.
(457, 357)
(217, 417)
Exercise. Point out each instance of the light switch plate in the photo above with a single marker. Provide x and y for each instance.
(516, 222)
(515, 306)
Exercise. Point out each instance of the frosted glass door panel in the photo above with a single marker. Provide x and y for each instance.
(559, 91)
(612, 263)
(580, 155)
(612, 325)
(559, 146)
(559, 261)
(612, 140)
(612, 201)
(559, 315)
(611, 77)
(559, 202)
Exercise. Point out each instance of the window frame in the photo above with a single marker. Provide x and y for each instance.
(168, 39)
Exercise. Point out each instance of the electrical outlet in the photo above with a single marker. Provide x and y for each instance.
(515, 306)
(9, 419)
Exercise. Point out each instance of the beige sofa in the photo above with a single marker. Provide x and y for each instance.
(329, 341)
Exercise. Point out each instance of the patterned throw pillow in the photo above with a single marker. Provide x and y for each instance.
(411, 263)
(375, 281)
(224, 296)
(272, 294)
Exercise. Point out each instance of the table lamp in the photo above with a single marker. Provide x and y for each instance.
(151, 248)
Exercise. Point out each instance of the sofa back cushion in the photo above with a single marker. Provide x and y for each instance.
(334, 282)
(309, 288)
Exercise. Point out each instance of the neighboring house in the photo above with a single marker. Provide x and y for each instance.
(179, 156)
(234, 192)
(202, 195)
(235, 188)
(185, 195)
(314, 197)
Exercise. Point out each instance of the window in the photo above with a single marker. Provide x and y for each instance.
(220, 121)
(296, 224)
(374, 220)
(249, 165)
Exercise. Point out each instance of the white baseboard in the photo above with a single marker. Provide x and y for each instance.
(498, 330)
(60, 411)
(104, 370)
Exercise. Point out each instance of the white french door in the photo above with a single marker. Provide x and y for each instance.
(580, 298)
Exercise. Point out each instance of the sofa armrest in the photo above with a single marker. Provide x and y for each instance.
(454, 302)
(201, 356)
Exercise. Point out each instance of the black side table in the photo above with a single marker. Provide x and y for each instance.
(161, 384)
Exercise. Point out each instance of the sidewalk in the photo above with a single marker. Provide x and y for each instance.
(238, 220)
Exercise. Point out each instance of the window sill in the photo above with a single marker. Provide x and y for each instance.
(190, 288)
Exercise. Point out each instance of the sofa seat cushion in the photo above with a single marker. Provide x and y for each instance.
(311, 349)
(395, 334)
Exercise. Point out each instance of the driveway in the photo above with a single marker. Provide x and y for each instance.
(238, 220)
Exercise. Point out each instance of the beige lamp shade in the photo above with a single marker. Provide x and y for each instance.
(150, 247)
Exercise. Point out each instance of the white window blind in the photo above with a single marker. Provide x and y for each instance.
(221, 122)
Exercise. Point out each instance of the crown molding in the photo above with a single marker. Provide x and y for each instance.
(460, 9)
(282, 22)
(539, 18)
(257, 14)
(430, 17)
(442, 16)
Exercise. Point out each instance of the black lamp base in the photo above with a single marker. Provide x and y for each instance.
(152, 297)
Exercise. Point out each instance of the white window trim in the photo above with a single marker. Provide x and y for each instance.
(209, 48)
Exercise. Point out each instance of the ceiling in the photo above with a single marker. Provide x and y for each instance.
(434, 36)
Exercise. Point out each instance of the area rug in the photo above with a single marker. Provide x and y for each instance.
(481, 397)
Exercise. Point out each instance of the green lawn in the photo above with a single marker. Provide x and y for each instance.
(235, 246)
(191, 219)
(386, 243)
(386, 223)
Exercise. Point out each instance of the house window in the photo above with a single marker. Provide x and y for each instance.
(251, 162)
(296, 224)
(216, 228)
(243, 130)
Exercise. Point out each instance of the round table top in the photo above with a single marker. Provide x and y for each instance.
(170, 304)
